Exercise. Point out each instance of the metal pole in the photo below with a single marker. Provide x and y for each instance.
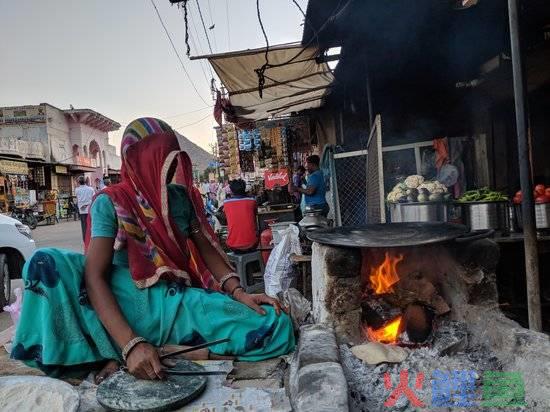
(527, 204)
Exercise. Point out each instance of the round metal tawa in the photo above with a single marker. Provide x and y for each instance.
(123, 392)
(388, 234)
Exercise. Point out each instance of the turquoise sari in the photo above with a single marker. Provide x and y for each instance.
(59, 331)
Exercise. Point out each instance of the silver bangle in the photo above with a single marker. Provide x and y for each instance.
(226, 278)
(131, 345)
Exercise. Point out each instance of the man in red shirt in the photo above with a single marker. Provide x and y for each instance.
(241, 211)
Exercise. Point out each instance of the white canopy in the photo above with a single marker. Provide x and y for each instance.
(297, 82)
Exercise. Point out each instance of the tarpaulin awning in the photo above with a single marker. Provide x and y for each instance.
(294, 81)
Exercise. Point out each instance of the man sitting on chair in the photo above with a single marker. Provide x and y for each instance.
(241, 212)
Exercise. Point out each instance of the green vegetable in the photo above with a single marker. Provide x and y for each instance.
(482, 195)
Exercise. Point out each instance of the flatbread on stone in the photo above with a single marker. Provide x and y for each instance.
(374, 353)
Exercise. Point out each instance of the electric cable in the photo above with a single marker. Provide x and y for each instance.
(228, 26)
(177, 53)
(212, 26)
(204, 27)
(193, 123)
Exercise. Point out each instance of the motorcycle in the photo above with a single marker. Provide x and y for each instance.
(26, 216)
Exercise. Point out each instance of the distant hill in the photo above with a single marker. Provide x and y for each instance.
(200, 157)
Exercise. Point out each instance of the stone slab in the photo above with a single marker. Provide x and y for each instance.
(321, 387)
(257, 383)
(257, 370)
(317, 345)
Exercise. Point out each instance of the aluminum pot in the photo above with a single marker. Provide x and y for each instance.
(542, 216)
(313, 220)
(486, 215)
(419, 212)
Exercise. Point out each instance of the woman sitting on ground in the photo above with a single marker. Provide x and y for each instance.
(152, 276)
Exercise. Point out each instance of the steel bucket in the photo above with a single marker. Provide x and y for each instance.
(486, 215)
(419, 212)
(542, 216)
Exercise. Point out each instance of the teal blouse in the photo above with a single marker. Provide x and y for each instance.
(105, 224)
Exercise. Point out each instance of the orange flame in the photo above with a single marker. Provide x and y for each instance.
(386, 334)
(383, 277)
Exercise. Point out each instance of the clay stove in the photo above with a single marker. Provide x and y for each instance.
(437, 299)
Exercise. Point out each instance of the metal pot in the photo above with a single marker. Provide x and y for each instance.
(542, 216)
(419, 212)
(313, 219)
(486, 215)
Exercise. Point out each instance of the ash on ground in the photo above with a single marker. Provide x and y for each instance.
(458, 367)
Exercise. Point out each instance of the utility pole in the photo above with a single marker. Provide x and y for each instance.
(525, 176)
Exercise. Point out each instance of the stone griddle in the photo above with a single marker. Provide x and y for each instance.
(123, 392)
(388, 235)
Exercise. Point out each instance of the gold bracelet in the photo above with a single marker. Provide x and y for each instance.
(226, 278)
(131, 345)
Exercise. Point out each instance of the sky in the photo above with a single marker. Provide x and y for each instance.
(113, 56)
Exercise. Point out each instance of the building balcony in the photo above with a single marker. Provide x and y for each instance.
(14, 146)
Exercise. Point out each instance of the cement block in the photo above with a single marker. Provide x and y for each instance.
(321, 387)
(317, 345)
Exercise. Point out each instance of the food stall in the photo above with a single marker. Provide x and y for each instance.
(15, 184)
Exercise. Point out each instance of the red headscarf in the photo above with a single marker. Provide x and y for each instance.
(156, 247)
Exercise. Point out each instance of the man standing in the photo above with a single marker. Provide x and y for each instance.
(315, 191)
(298, 178)
(84, 195)
(106, 181)
(240, 212)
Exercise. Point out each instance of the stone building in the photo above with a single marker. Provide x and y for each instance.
(44, 148)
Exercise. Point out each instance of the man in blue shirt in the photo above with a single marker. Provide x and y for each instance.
(315, 191)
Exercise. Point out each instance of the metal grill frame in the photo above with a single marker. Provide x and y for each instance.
(371, 167)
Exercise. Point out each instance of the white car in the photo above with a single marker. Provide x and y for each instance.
(16, 246)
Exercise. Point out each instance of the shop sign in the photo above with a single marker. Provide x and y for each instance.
(279, 178)
(61, 170)
(11, 167)
(83, 161)
(23, 114)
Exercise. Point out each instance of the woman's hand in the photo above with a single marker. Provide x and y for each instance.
(143, 362)
(254, 301)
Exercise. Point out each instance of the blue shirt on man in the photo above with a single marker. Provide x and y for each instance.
(316, 180)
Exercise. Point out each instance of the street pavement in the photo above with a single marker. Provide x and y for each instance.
(65, 235)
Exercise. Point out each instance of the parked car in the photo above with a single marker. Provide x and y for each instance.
(16, 246)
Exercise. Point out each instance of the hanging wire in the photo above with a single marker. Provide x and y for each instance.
(193, 123)
(186, 113)
(212, 25)
(197, 37)
(261, 71)
(177, 53)
(184, 6)
(204, 27)
(228, 26)
(201, 62)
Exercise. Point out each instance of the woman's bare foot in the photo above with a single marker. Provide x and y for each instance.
(110, 367)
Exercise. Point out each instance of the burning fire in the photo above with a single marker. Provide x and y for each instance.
(383, 277)
(386, 334)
